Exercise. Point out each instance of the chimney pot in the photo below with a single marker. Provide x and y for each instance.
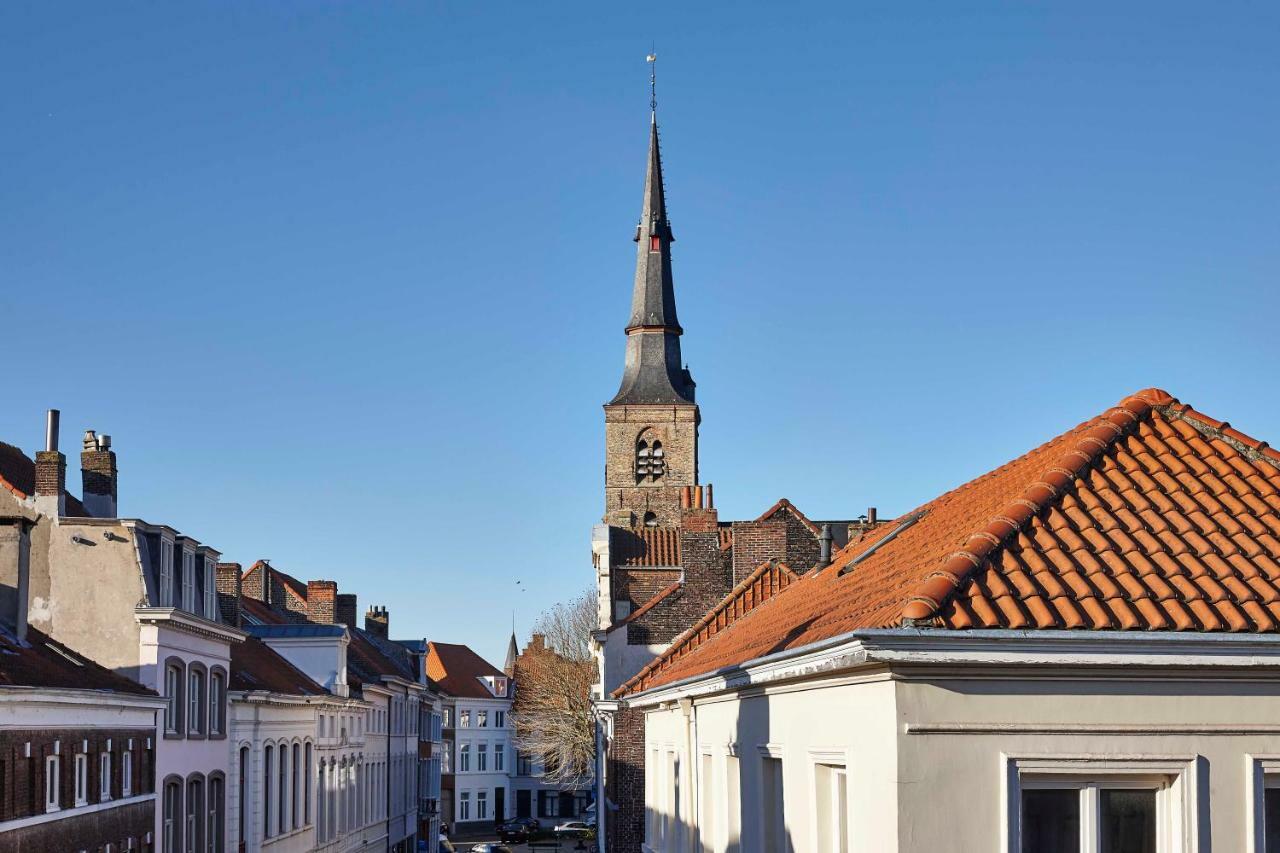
(824, 546)
(51, 419)
(711, 504)
(871, 516)
(99, 475)
(697, 497)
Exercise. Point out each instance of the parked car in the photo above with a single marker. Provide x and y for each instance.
(519, 829)
(491, 847)
(573, 829)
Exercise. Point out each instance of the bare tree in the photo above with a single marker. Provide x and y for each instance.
(552, 709)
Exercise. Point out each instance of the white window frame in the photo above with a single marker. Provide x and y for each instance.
(1175, 778)
(836, 763)
(81, 789)
(482, 805)
(53, 783)
(210, 590)
(188, 580)
(1263, 772)
(166, 572)
(214, 722)
(464, 805)
(104, 776)
(126, 772)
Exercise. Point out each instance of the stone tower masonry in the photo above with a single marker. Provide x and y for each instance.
(651, 424)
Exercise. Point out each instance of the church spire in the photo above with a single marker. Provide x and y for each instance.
(653, 372)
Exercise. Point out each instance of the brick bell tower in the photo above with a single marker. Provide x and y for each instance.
(651, 424)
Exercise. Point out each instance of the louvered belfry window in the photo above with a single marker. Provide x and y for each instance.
(651, 463)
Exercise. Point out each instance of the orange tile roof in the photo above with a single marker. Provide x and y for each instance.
(646, 546)
(457, 670)
(1151, 516)
(768, 579)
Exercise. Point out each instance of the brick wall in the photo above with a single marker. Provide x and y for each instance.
(626, 501)
(344, 610)
(229, 592)
(22, 794)
(625, 785)
(754, 542)
(708, 575)
(322, 601)
(51, 473)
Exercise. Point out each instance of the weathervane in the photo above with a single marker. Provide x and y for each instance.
(652, 59)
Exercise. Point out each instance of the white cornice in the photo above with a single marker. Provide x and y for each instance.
(990, 649)
(181, 620)
(104, 699)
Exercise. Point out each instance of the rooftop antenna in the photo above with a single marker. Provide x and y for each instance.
(652, 59)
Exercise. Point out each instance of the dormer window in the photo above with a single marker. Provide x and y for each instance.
(188, 580)
(166, 573)
(651, 462)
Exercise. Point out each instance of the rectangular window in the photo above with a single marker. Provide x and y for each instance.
(707, 804)
(482, 759)
(482, 805)
(173, 698)
(126, 773)
(448, 718)
(166, 573)
(104, 776)
(464, 806)
(482, 719)
(195, 701)
(499, 758)
(500, 719)
(831, 792)
(464, 758)
(210, 591)
(464, 719)
(82, 779)
(52, 783)
(732, 804)
(773, 803)
(1109, 815)
(188, 580)
(217, 703)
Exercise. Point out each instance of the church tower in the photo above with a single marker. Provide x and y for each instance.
(651, 425)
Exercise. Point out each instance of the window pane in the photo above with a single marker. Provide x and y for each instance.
(1271, 818)
(1051, 821)
(1128, 821)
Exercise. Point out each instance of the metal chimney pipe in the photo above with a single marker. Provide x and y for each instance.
(711, 504)
(51, 430)
(824, 546)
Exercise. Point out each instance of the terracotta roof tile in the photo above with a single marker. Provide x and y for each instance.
(41, 661)
(457, 670)
(1151, 516)
(256, 666)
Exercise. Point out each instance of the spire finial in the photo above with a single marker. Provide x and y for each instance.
(652, 59)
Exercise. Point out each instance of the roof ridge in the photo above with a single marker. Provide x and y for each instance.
(648, 605)
(1096, 436)
(783, 503)
(676, 646)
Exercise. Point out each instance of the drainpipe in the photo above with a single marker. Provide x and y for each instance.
(602, 808)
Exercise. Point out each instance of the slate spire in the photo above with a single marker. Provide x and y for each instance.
(653, 372)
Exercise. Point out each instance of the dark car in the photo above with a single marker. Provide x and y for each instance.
(519, 829)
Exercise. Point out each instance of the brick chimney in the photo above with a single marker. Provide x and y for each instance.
(51, 471)
(344, 610)
(697, 510)
(229, 580)
(377, 621)
(322, 602)
(99, 475)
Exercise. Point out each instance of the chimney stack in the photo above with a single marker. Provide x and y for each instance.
(344, 610)
(698, 514)
(99, 475)
(377, 622)
(229, 590)
(824, 547)
(322, 602)
(871, 516)
(51, 471)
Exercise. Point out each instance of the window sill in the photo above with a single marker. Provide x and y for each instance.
(58, 813)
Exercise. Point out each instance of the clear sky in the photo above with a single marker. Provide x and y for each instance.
(346, 282)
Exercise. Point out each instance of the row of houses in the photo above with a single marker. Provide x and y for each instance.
(154, 697)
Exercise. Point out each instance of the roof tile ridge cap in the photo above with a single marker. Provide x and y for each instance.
(706, 619)
(1253, 449)
(21, 495)
(1094, 438)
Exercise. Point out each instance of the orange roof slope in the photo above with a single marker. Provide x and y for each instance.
(457, 670)
(1151, 516)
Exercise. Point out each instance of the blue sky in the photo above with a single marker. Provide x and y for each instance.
(346, 282)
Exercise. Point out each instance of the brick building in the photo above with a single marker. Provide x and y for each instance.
(662, 556)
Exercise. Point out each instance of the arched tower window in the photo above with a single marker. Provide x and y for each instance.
(651, 462)
(650, 519)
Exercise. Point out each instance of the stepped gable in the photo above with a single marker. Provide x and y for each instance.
(1151, 517)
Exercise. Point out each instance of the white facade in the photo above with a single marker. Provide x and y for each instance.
(911, 741)
(482, 759)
